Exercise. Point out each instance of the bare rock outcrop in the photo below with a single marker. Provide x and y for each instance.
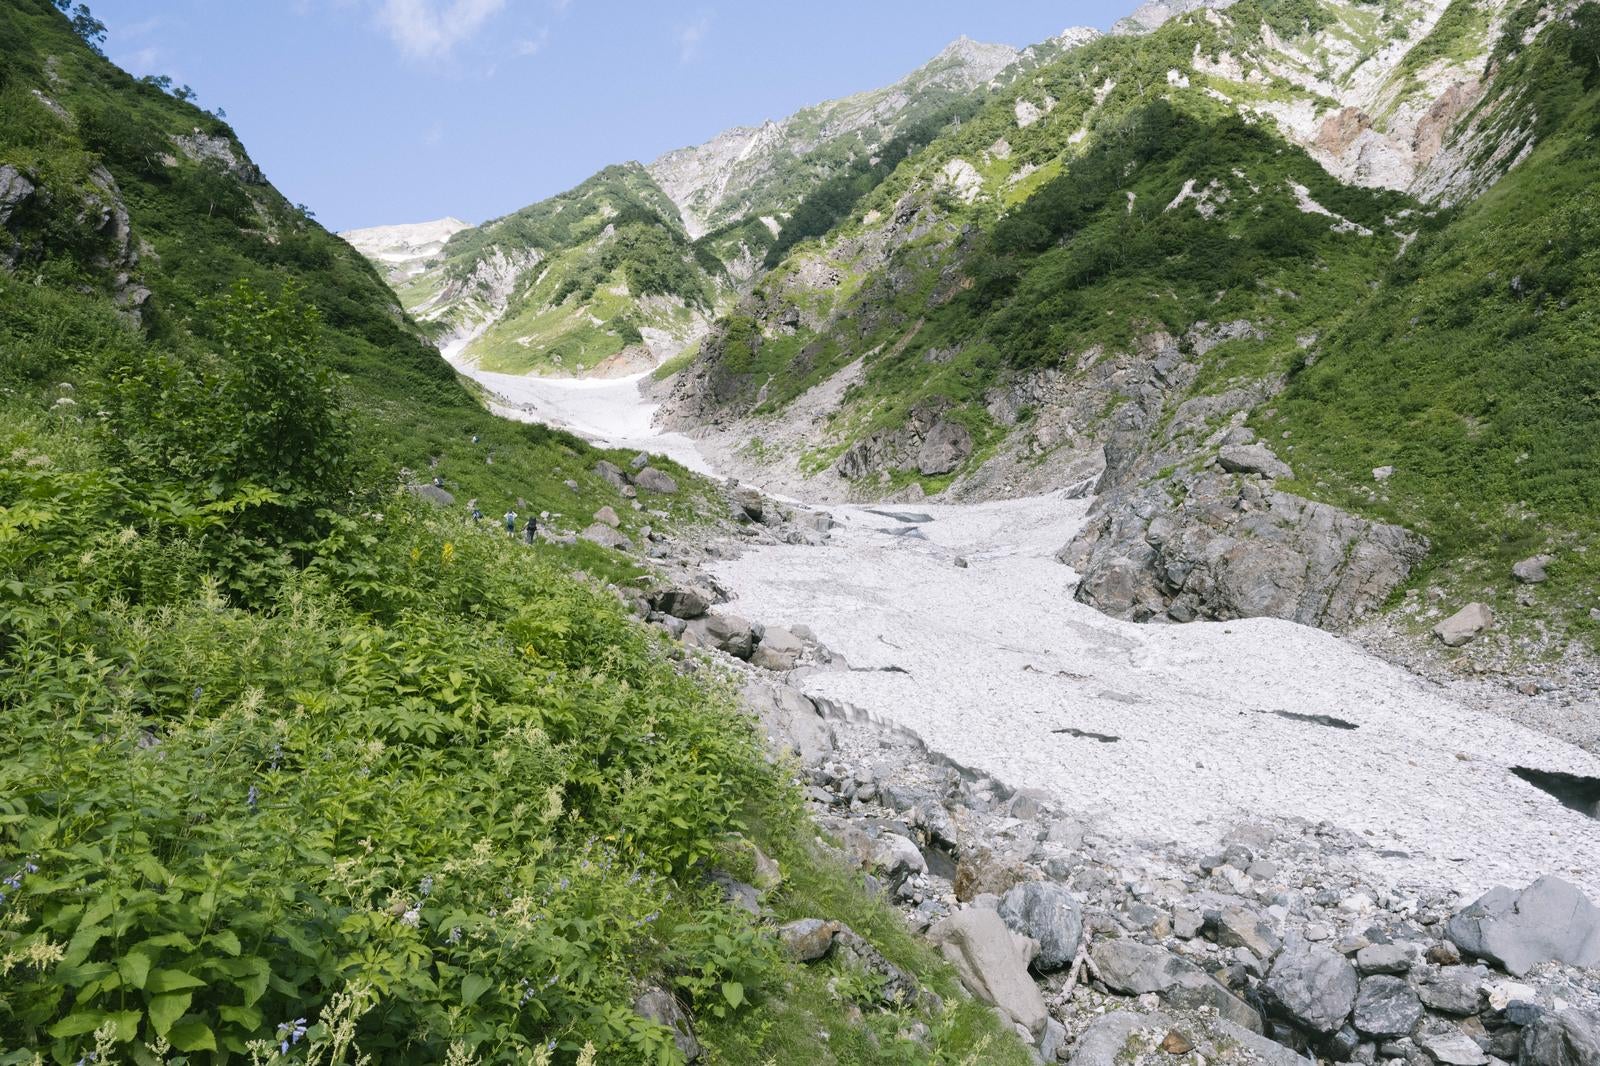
(1225, 545)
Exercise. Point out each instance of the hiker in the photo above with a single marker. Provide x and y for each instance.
(438, 482)
(472, 505)
(511, 522)
(530, 531)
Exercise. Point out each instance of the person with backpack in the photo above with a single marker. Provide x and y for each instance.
(511, 523)
(530, 531)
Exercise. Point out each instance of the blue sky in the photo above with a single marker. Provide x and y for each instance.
(378, 111)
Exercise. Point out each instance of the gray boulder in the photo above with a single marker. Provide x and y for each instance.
(608, 516)
(1450, 1046)
(808, 939)
(606, 537)
(1533, 571)
(727, 632)
(946, 447)
(1387, 1007)
(432, 493)
(612, 473)
(681, 602)
(1313, 986)
(1047, 913)
(992, 963)
(1562, 1038)
(779, 649)
(897, 858)
(1123, 1037)
(1551, 919)
(1242, 927)
(1465, 625)
(1253, 459)
(15, 189)
(1134, 969)
(658, 1006)
(1385, 958)
(652, 480)
(1452, 989)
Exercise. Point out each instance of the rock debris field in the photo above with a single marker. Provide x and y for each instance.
(1160, 733)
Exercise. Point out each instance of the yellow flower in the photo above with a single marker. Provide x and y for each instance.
(448, 552)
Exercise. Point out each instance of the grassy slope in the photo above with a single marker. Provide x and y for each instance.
(425, 776)
(1474, 370)
(603, 245)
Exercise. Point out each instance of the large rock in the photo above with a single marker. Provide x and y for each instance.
(897, 858)
(1562, 1038)
(1452, 989)
(1046, 912)
(432, 493)
(608, 516)
(1212, 547)
(1533, 571)
(1241, 927)
(658, 1006)
(652, 480)
(681, 602)
(992, 963)
(612, 473)
(606, 537)
(1387, 1007)
(727, 632)
(946, 447)
(808, 939)
(1551, 919)
(1313, 986)
(1449, 1045)
(984, 872)
(1124, 1037)
(1465, 625)
(1253, 459)
(779, 649)
(1134, 969)
(15, 189)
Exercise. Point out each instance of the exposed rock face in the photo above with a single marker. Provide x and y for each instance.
(1550, 919)
(1133, 968)
(1234, 547)
(737, 170)
(404, 251)
(946, 447)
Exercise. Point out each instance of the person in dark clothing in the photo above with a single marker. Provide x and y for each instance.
(530, 531)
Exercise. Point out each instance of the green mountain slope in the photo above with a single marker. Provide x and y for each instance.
(291, 762)
(629, 268)
(1271, 217)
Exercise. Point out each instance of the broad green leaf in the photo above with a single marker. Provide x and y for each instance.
(78, 1023)
(248, 1018)
(473, 988)
(135, 969)
(164, 1010)
(171, 981)
(226, 940)
(192, 1036)
(733, 992)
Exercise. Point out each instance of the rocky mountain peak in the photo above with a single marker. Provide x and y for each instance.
(1152, 16)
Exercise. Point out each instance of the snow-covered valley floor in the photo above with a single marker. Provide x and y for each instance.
(990, 663)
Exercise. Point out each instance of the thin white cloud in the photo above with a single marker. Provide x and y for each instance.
(534, 43)
(690, 37)
(560, 5)
(431, 29)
